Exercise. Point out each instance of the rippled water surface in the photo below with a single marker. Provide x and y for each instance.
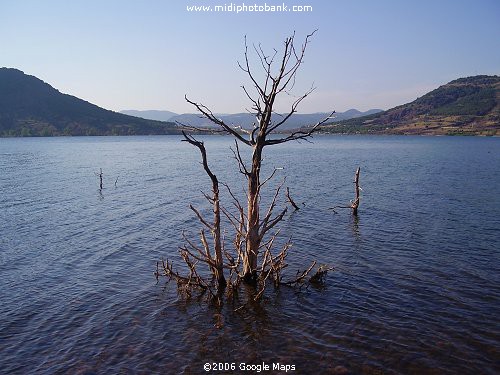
(416, 288)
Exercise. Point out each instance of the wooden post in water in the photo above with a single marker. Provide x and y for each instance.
(355, 203)
(100, 179)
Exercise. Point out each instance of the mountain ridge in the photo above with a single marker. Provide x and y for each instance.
(246, 120)
(151, 114)
(32, 107)
(464, 106)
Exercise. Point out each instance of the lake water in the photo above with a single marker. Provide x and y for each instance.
(416, 286)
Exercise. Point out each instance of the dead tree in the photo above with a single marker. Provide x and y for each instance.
(254, 228)
(280, 74)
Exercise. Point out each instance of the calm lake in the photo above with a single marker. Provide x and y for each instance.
(416, 286)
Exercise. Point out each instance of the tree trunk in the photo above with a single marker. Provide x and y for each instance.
(219, 263)
(253, 213)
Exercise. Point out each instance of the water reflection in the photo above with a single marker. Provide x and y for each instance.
(355, 228)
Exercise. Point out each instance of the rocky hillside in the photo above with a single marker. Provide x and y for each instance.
(466, 106)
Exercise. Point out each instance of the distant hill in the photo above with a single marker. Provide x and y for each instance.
(246, 120)
(466, 106)
(31, 107)
(151, 114)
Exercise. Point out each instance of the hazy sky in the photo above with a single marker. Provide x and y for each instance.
(148, 54)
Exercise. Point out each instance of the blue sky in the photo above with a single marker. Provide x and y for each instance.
(148, 54)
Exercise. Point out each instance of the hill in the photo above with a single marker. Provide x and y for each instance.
(466, 106)
(151, 114)
(246, 120)
(31, 107)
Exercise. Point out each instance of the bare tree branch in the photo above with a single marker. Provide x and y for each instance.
(270, 177)
(299, 134)
(241, 164)
(292, 111)
(202, 220)
(292, 202)
(209, 115)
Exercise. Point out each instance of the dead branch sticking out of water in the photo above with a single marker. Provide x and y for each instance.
(292, 202)
(100, 175)
(354, 204)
